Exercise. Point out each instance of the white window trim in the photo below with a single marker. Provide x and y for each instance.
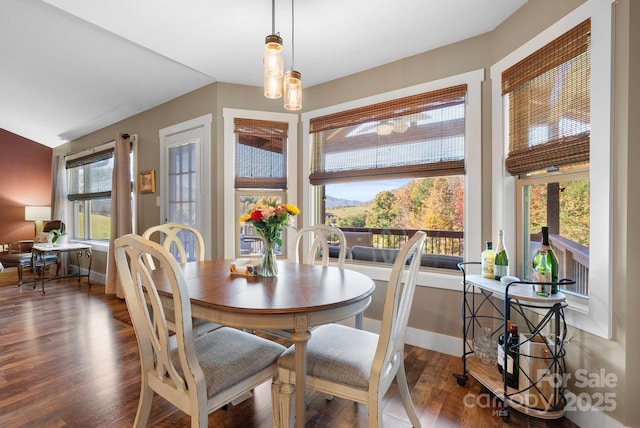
(103, 246)
(473, 175)
(204, 173)
(592, 314)
(229, 157)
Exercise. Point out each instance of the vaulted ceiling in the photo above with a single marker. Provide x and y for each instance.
(70, 67)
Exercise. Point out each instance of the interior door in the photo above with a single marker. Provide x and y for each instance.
(183, 179)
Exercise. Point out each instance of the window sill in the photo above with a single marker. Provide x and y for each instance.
(436, 278)
(100, 246)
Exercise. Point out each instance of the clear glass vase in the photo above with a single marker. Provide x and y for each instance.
(269, 267)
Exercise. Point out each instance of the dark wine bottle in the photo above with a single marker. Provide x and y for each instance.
(552, 260)
(501, 342)
(512, 364)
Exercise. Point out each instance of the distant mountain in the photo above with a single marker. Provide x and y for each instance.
(332, 202)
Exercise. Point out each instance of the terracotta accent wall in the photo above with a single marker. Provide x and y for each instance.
(25, 179)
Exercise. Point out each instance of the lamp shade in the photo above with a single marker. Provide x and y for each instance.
(293, 90)
(32, 213)
(273, 66)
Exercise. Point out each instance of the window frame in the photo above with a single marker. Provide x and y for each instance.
(231, 223)
(103, 245)
(86, 201)
(576, 300)
(437, 278)
(592, 314)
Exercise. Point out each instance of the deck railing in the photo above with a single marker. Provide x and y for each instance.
(573, 261)
(438, 241)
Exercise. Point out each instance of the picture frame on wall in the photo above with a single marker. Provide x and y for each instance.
(148, 181)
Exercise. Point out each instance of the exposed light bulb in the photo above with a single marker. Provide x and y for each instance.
(293, 90)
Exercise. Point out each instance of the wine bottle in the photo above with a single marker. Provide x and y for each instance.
(501, 343)
(543, 274)
(487, 257)
(552, 260)
(501, 261)
(512, 350)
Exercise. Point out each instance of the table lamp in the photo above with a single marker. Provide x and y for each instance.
(37, 214)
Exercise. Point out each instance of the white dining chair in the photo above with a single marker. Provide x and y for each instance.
(197, 375)
(319, 250)
(171, 236)
(319, 235)
(355, 364)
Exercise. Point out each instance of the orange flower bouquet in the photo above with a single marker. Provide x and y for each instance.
(269, 217)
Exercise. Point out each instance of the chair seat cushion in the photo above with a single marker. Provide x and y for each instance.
(23, 259)
(337, 353)
(227, 356)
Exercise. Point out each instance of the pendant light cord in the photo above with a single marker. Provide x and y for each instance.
(293, 50)
(273, 16)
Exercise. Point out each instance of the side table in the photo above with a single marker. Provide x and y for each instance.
(40, 252)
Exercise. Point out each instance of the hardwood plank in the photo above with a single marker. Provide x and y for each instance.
(66, 360)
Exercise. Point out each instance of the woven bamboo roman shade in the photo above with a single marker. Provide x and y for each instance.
(261, 154)
(549, 101)
(416, 136)
(90, 176)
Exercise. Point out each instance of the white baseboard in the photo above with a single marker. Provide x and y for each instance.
(588, 416)
(424, 339)
(100, 278)
(579, 409)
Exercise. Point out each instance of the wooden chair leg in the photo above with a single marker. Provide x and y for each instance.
(286, 406)
(144, 406)
(275, 400)
(405, 396)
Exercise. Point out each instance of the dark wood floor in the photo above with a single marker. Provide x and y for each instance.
(65, 361)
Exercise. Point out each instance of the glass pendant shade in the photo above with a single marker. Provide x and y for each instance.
(273, 66)
(293, 90)
(272, 87)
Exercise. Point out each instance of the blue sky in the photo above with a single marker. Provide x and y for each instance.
(364, 190)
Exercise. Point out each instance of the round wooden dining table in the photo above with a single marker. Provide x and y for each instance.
(299, 297)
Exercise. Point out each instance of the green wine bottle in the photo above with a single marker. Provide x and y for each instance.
(543, 274)
(552, 260)
(501, 261)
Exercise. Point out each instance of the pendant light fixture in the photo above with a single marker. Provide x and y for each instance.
(293, 78)
(273, 61)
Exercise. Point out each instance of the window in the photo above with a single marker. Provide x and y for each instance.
(548, 96)
(561, 202)
(89, 181)
(395, 167)
(261, 150)
(261, 163)
(552, 147)
(374, 162)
